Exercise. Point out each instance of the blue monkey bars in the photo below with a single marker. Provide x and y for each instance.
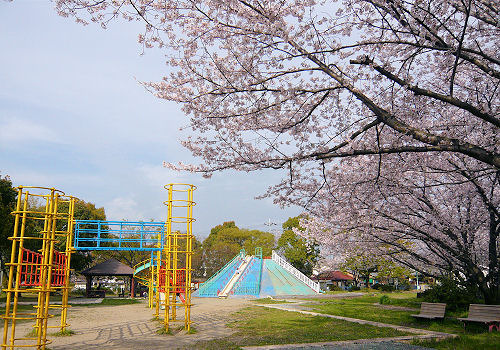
(119, 235)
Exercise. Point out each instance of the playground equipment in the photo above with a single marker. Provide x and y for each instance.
(37, 267)
(247, 275)
(43, 217)
(169, 242)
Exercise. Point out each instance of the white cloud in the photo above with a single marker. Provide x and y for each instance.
(157, 176)
(50, 179)
(123, 208)
(19, 130)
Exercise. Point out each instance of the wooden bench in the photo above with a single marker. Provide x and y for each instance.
(487, 314)
(431, 311)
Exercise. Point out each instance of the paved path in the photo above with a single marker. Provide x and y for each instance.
(71, 301)
(131, 326)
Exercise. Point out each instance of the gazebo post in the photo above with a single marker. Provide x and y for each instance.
(132, 287)
(88, 287)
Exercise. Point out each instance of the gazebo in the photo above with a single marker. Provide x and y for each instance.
(111, 267)
(330, 279)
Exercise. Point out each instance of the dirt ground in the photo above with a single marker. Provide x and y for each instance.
(132, 326)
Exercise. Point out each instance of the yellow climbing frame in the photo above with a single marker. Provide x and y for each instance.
(42, 243)
(43, 221)
(177, 253)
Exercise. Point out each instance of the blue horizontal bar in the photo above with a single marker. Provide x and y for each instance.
(106, 232)
(136, 249)
(125, 223)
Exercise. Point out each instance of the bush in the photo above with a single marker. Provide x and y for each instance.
(450, 292)
(334, 288)
(386, 288)
(376, 286)
(353, 288)
(384, 300)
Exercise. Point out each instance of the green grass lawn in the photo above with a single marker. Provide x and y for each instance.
(261, 326)
(476, 337)
(481, 341)
(112, 301)
(270, 301)
(364, 308)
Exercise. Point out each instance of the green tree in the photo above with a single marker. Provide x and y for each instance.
(303, 254)
(7, 205)
(226, 240)
(80, 260)
(361, 266)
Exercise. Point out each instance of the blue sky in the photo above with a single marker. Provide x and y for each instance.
(74, 116)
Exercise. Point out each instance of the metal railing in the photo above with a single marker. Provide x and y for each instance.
(211, 287)
(249, 280)
(296, 273)
(119, 235)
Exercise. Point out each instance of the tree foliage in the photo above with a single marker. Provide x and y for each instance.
(383, 112)
(7, 204)
(363, 265)
(81, 260)
(302, 253)
(226, 240)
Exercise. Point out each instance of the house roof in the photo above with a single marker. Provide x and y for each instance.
(111, 267)
(332, 276)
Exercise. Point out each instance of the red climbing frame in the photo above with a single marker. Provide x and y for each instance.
(31, 266)
(58, 269)
(180, 281)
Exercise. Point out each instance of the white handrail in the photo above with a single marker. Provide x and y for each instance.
(236, 276)
(287, 266)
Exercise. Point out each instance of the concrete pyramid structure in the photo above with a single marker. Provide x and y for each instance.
(247, 275)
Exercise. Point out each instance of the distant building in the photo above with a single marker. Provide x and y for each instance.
(328, 280)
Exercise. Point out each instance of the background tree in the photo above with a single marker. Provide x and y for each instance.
(363, 266)
(226, 240)
(8, 195)
(7, 204)
(386, 110)
(303, 254)
(436, 221)
(197, 259)
(81, 260)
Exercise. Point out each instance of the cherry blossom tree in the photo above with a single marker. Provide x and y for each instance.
(384, 113)
(420, 214)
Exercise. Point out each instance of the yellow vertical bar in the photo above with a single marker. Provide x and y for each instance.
(46, 278)
(168, 260)
(18, 270)
(189, 251)
(40, 296)
(157, 280)
(68, 251)
(12, 267)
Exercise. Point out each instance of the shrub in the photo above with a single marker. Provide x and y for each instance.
(352, 288)
(449, 291)
(384, 300)
(334, 288)
(386, 288)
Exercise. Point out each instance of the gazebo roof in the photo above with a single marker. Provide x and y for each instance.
(111, 267)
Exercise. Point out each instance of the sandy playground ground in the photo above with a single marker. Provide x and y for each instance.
(132, 326)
